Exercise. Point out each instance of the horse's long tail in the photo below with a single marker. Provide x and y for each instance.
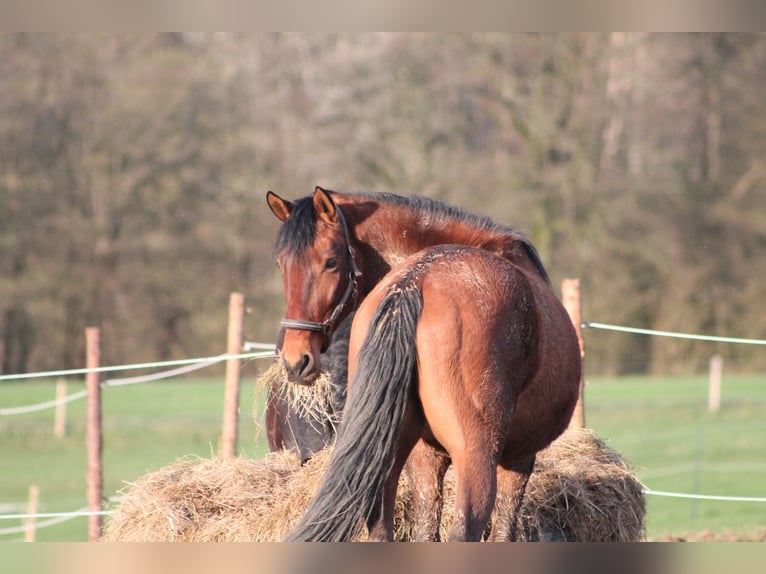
(352, 488)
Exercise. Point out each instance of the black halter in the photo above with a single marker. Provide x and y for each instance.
(352, 290)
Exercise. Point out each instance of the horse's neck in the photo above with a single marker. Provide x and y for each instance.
(394, 233)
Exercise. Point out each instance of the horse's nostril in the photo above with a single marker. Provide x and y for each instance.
(301, 370)
(305, 365)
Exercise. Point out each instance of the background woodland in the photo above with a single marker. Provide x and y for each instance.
(133, 170)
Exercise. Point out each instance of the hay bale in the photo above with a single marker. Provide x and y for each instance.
(312, 402)
(584, 491)
(581, 490)
(216, 500)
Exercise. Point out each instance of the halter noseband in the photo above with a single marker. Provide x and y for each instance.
(326, 327)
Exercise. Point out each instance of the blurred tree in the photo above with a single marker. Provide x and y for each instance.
(133, 169)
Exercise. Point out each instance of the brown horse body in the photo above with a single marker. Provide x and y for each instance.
(378, 231)
(494, 380)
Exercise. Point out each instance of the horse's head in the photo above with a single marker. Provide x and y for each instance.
(316, 259)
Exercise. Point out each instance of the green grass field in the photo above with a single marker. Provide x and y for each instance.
(145, 427)
(660, 425)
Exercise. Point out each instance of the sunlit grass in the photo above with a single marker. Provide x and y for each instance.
(145, 427)
(663, 428)
(660, 425)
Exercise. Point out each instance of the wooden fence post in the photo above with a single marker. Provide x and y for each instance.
(59, 421)
(570, 297)
(227, 446)
(93, 439)
(32, 505)
(714, 390)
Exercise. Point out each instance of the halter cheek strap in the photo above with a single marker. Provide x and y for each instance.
(352, 290)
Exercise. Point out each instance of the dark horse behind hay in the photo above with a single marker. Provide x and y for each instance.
(334, 248)
(310, 427)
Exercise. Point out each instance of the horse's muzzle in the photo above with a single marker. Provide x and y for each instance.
(301, 372)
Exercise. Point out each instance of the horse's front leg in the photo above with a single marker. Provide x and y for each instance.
(425, 469)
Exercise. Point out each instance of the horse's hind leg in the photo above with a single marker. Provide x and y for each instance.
(511, 485)
(425, 470)
(380, 525)
(475, 489)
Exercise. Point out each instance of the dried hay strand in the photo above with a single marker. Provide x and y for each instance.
(580, 490)
(311, 402)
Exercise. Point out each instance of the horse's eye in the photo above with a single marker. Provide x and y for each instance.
(331, 263)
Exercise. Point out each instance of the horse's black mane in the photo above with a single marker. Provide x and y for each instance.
(299, 230)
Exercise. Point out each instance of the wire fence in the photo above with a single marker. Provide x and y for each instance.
(704, 496)
(694, 337)
(672, 334)
(54, 518)
(189, 365)
(136, 366)
(182, 367)
(185, 366)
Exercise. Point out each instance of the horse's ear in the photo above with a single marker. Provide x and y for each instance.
(280, 207)
(324, 205)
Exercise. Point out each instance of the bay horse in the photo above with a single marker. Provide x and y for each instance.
(332, 249)
(459, 348)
